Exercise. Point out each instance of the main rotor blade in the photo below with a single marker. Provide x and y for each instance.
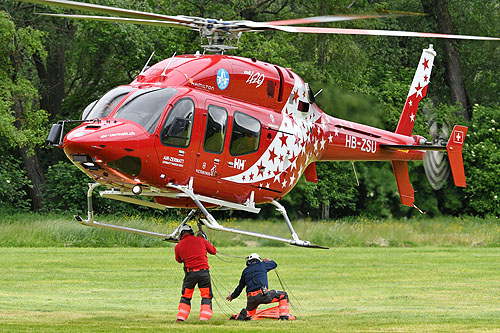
(342, 31)
(124, 20)
(209, 26)
(109, 10)
(323, 19)
(347, 17)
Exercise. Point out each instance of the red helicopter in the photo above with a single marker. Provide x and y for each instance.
(225, 132)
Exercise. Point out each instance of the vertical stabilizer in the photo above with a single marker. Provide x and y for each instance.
(418, 90)
(454, 149)
(406, 192)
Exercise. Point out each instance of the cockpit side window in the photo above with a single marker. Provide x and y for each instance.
(178, 126)
(106, 104)
(145, 107)
(245, 135)
(216, 129)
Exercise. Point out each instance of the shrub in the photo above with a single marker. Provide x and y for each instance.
(13, 184)
(482, 162)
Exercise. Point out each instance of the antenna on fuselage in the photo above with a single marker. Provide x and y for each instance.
(355, 173)
(166, 67)
(319, 92)
(147, 63)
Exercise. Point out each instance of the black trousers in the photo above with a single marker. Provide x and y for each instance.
(270, 297)
(200, 278)
(191, 279)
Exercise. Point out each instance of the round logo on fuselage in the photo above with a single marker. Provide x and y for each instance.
(222, 79)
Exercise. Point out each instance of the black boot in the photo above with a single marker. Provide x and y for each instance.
(243, 315)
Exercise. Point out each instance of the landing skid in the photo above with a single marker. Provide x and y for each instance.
(209, 221)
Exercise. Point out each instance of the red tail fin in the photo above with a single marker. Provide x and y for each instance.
(454, 148)
(418, 90)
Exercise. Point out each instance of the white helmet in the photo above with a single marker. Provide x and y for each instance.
(186, 229)
(254, 257)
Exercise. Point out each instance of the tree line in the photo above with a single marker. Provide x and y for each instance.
(51, 68)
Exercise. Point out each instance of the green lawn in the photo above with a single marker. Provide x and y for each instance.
(341, 289)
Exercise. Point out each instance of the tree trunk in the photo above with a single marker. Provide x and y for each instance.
(439, 9)
(325, 211)
(35, 174)
(51, 73)
(32, 165)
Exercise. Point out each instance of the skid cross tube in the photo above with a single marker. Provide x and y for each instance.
(212, 223)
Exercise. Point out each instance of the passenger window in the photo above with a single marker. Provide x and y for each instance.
(245, 136)
(216, 129)
(270, 88)
(179, 124)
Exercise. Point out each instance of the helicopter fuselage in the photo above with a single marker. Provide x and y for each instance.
(234, 127)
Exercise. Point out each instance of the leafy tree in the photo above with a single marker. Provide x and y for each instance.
(62, 65)
(482, 162)
(22, 123)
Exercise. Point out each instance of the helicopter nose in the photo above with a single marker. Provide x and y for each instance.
(102, 141)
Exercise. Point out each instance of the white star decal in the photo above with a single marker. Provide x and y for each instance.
(292, 179)
(323, 141)
(330, 138)
(284, 184)
(412, 118)
(277, 178)
(410, 103)
(336, 131)
(419, 91)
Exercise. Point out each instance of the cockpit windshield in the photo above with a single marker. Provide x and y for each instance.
(106, 104)
(145, 107)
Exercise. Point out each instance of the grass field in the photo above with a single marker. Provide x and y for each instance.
(341, 289)
(38, 230)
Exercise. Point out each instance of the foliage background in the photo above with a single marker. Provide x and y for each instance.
(51, 68)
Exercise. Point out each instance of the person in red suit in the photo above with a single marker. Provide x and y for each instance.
(192, 251)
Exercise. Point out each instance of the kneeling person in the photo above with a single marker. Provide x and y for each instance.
(254, 277)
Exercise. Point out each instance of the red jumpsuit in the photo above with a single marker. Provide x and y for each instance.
(192, 251)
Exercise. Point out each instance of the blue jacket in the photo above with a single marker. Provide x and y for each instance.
(254, 277)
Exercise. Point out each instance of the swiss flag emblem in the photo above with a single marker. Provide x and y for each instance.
(458, 137)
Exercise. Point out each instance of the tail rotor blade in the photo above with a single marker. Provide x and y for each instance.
(436, 169)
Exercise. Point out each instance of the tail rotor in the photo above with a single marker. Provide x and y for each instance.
(436, 166)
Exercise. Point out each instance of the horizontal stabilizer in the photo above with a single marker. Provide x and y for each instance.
(414, 147)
